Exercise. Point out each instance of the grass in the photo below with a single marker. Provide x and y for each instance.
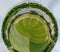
(26, 27)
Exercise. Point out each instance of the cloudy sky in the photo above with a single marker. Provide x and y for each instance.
(53, 5)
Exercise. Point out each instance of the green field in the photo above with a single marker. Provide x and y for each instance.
(29, 33)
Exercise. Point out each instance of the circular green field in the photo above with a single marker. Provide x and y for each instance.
(29, 31)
